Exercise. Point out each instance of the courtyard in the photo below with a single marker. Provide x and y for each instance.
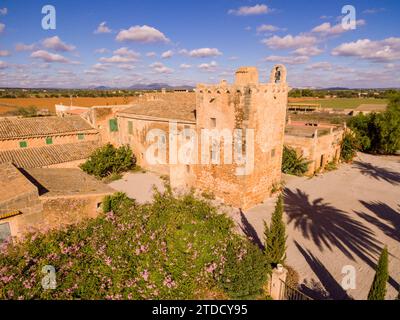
(336, 219)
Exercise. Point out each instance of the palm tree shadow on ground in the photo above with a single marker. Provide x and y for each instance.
(378, 173)
(330, 227)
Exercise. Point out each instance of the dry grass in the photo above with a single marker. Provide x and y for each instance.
(7, 105)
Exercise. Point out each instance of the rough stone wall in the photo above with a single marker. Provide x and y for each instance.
(137, 141)
(55, 213)
(27, 203)
(260, 107)
(319, 150)
(100, 117)
(41, 141)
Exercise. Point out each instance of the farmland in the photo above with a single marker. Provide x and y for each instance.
(339, 103)
(12, 104)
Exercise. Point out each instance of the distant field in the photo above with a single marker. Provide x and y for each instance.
(7, 105)
(339, 103)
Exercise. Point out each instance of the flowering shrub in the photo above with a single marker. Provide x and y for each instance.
(174, 248)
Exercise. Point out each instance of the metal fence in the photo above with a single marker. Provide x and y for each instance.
(288, 293)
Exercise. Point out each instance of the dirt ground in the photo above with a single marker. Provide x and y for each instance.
(139, 186)
(8, 104)
(341, 218)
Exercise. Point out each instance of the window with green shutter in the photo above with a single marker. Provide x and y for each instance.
(49, 140)
(130, 127)
(81, 136)
(23, 144)
(113, 125)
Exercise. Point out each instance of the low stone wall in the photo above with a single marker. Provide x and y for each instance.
(55, 213)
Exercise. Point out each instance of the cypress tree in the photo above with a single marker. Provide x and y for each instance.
(378, 288)
(275, 236)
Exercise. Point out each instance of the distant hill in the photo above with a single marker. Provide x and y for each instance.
(158, 86)
(140, 86)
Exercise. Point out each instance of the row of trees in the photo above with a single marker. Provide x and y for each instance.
(371, 93)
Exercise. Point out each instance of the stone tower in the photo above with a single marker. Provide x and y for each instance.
(258, 111)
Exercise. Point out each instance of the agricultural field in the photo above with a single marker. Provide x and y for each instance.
(12, 104)
(339, 103)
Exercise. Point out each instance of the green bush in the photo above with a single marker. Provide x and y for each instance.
(245, 271)
(174, 248)
(109, 160)
(275, 236)
(379, 133)
(378, 287)
(293, 164)
(349, 146)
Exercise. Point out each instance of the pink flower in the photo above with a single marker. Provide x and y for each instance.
(145, 275)
(168, 282)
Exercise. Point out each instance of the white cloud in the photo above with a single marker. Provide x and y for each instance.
(102, 28)
(268, 28)
(56, 44)
(117, 59)
(101, 50)
(290, 42)
(143, 33)
(210, 67)
(122, 55)
(185, 66)
(158, 67)
(49, 57)
(25, 47)
(202, 52)
(326, 66)
(377, 51)
(3, 65)
(2, 27)
(4, 53)
(151, 54)
(288, 59)
(326, 28)
(3, 11)
(249, 11)
(308, 51)
(167, 54)
(124, 51)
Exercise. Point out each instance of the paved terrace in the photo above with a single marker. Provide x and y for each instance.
(343, 217)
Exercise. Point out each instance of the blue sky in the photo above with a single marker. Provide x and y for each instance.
(120, 43)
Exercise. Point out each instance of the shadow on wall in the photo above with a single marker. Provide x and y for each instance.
(378, 173)
(330, 289)
(41, 189)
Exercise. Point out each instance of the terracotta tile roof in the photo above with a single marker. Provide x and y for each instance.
(17, 128)
(179, 106)
(13, 183)
(48, 155)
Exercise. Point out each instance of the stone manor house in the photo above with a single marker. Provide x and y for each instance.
(42, 187)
